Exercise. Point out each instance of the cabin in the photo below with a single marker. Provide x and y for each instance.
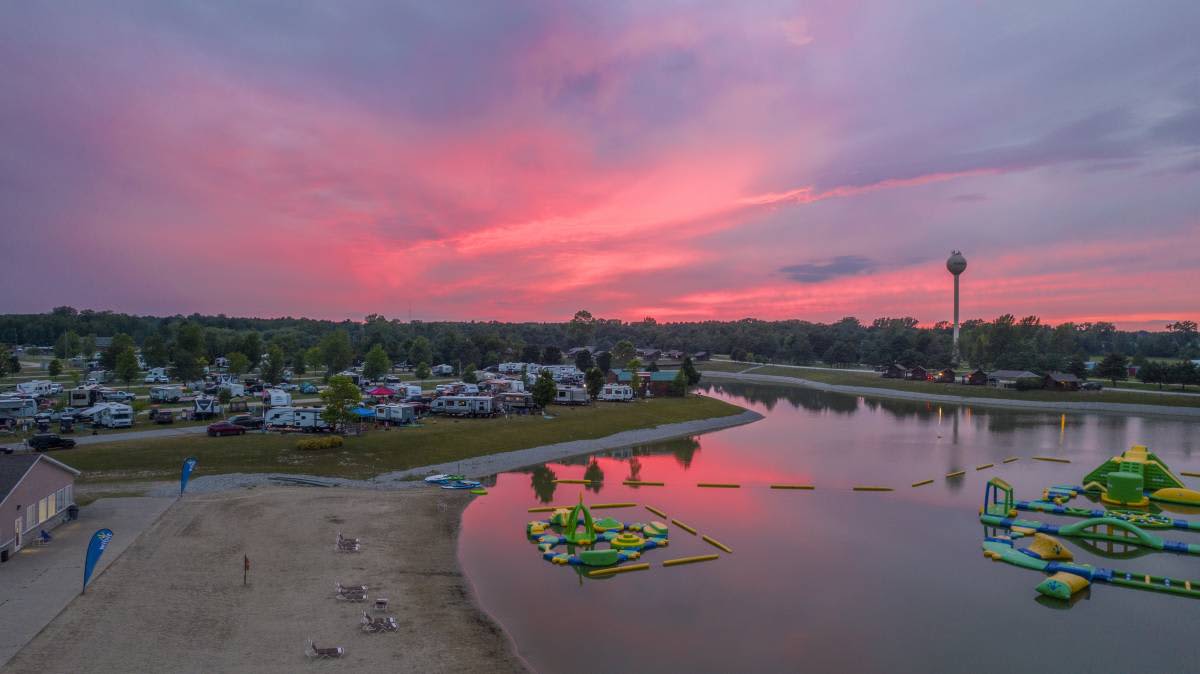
(1061, 381)
(976, 378)
(945, 376)
(35, 490)
(894, 371)
(917, 373)
(651, 383)
(1008, 378)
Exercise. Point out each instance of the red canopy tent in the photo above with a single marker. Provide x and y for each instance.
(381, 392)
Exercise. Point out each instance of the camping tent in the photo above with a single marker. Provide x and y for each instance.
(381, 392)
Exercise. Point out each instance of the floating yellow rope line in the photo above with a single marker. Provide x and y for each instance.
(656, 511)
(717, 544)
(688, 560)
(792, 486)
(957, 473)
(613, 505)
(641, 483)
(1011, 459)
(873, 489)
(984, 466)
(543, 509)
(1051, 458)
(618, 569)
(922, 483)
(1189, 474)
(572, 481)
(683, 526)
(718, 485)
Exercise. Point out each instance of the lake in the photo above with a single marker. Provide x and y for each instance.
(832, 579)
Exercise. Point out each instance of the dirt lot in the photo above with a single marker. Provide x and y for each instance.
(175, 601)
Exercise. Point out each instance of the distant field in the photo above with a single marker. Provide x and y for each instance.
(849, 378)
(437, 440)
(721, 366)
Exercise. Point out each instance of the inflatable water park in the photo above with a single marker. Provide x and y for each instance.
(583, 537)
(1129, 486)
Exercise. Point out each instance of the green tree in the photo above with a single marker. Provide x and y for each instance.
(594, 380)
(377, 363)
(126, 365)
(190, 337)
(544, 389)
(299, 366)
(1183, 373)
(1078, 368)
(583, 360)
(420, 351)
(623, 351)
(581, 329)
(423, 370)
(224, 395)
(239, 364)
(1114, 366)
(679, 384)
(336, 352)
(54, 368)
(272, 371)
(120, 342)
(604, 361)
(186, 366)
(551, 355)
(690, 371)
(339, 398)
(87, 346)
(67, 345)
(251, 345)
(313, 358)
(468, 374)
(1153, 372)
(531, 353)
(155, 352)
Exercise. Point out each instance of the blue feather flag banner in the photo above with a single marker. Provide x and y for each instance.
(95, 548)
(188, 465)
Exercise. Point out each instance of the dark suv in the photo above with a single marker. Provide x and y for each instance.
(246, 421)
(46, 441)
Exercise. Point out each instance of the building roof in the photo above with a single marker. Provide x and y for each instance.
(1010, 374)
(1065, 377)
(661, 375)
(14, 468)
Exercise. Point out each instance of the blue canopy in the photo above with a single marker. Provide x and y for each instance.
(363, 411)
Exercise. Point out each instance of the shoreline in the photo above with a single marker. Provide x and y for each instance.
(1033, 405)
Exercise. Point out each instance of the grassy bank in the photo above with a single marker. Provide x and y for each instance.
(437, 440)
(848, 378)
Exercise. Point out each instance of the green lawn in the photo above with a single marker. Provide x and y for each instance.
(874, 380)
(721, 366)
(438, 440)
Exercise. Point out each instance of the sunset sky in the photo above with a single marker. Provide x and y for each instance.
(521, 160)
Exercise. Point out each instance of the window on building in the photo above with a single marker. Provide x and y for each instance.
(31, 516)
(43, 512)
(60, 499)
(70, 491)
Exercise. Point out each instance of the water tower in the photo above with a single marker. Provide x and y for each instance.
(956, 264)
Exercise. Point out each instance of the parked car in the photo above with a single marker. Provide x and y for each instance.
(225, 428)
(246, 421)
(1091, 386)
(46, 441)
(156, 379)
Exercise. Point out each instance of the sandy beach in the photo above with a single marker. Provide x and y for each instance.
(174, 602)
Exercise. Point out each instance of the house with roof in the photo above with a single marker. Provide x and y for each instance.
(975, 378)
(1061, 381)
(916, 373)
(894, 371)
(652, 383)
(35, 490)
(1008, 378)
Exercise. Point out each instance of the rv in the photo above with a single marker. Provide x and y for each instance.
(276, 398)
(38, 387)
(279, 417)
(156, 375)
(235, 388)
(206, 407)
(616, 392)
(441, 370)
(166, 394)
(511, 368)
(571, 395)
(17, 408)
(304, 418)
(83, 396)
(395, 414)
(516, 400)
(408, 391)
(463, 406)
(112, 415)
(97, 377)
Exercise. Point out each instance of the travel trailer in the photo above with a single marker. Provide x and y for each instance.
(97, 377)
(407, 391)
(83, 396)
(236, 389)
(511, 368)
(616, 392)
(274, 397)
(17, 408)
(156, 375)
(279, 417)
(112, 415)
(571, 395)
(463, 406)
(396, 414)
(442, 370)
(166, 394)
(307, 419)
(206, 407)
(39, 387)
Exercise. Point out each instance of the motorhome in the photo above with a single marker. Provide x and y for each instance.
(274, 397)
(166, 394)
(156, 375)
(206, 407)
(112, 415)
(395, 413)
(83, 396)
(616, 392)
(463, 406)
(570, 395)
(17, 408)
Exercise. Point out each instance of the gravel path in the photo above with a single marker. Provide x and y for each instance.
(1111, 408)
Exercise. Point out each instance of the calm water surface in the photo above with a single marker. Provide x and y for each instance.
(833, 580)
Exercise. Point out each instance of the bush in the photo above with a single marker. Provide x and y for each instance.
(327, 442)
(1028, 384)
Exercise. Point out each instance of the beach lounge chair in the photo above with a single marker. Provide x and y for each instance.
(346, 544)
(351, 593)
(312, 651)
(376, 625)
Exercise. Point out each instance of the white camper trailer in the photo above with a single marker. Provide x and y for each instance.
(463, 406)
(156, 375)
(236, 389)
(112, 415)
(307, 419)
(274, 397)
(83, 396)
(17, 408)
(38, 387)
(408, 391)
(570, 395)
(396, 414)
(616, 392)
(206, 407)
(279, 417)
(166, 394)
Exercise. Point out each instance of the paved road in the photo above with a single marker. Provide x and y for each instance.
(39, 581)
(140, 435)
